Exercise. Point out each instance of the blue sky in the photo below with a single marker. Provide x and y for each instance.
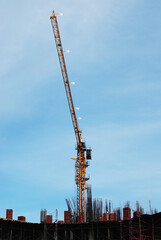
(115, 61)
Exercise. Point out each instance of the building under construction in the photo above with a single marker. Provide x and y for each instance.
(101, 223)
(140, 227)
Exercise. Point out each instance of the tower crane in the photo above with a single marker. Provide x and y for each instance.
(83, 153)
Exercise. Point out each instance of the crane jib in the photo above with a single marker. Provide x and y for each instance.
(65, 78)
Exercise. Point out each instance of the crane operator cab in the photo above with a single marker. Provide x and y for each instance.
(88, 153)
(87, 149)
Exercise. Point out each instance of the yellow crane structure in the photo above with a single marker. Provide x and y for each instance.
(83, 154)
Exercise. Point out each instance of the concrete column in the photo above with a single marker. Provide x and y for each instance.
(45, 231)
(108, 231)
(33, 234)
(56, 232)
(97, 233)
(20, 235)
(90, 235)
(1, 233)
(10, 237)
(71, 235)
(82, 233)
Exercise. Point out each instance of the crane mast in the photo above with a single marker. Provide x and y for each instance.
(81, 161)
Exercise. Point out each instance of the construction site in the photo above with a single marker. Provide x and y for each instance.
(85, 218)
(106, 227)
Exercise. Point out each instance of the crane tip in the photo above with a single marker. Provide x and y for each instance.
(52, 15)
